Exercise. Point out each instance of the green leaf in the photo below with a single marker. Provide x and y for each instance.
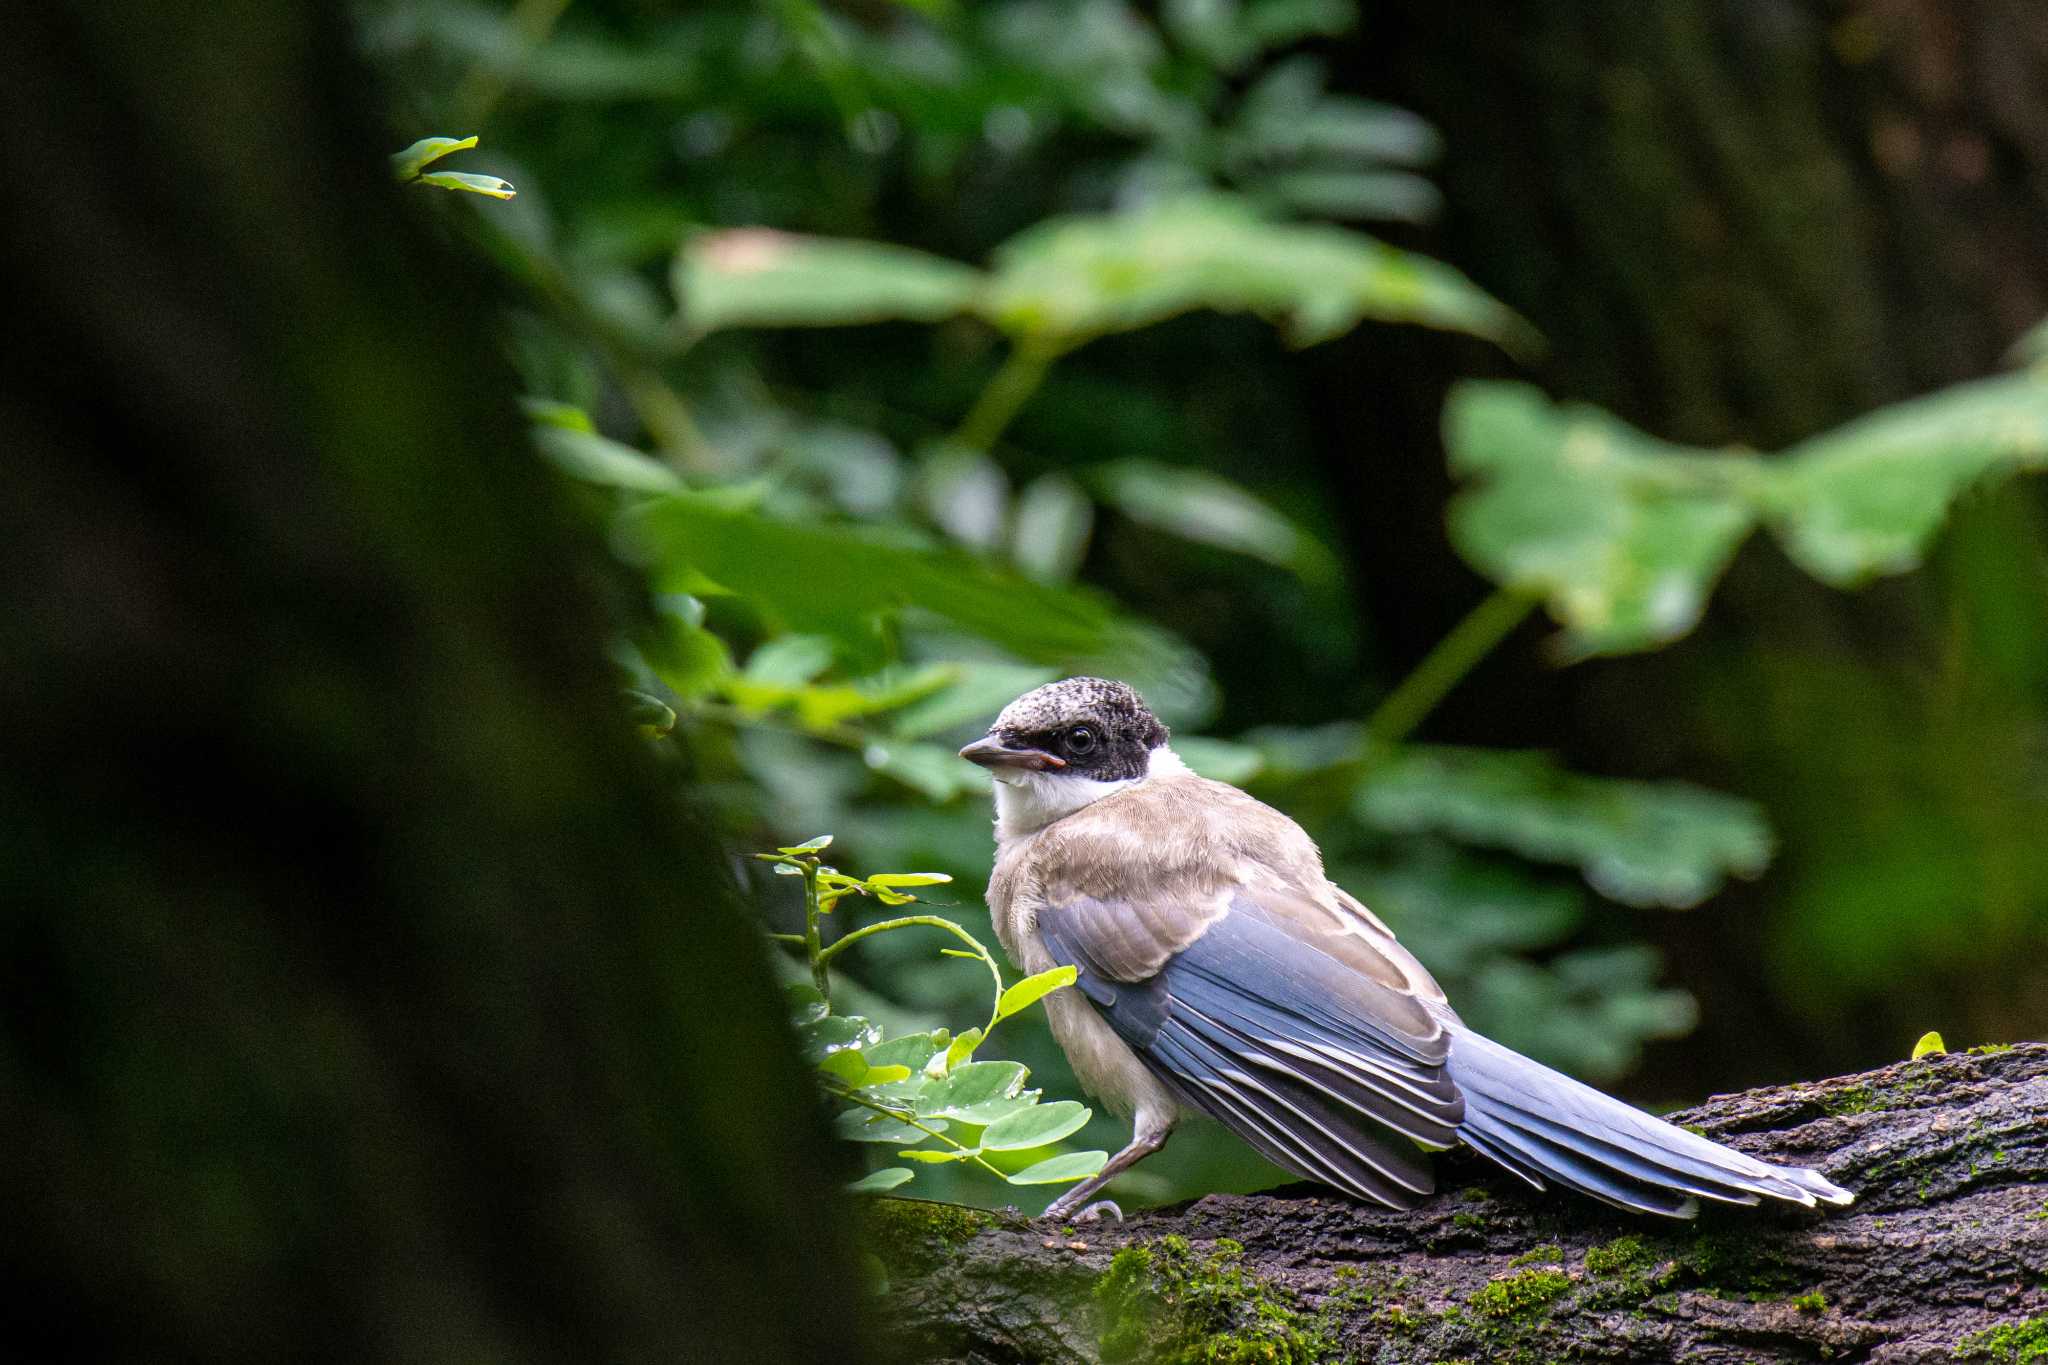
(1866, 498)
(821, 1038)
(880, 1182)
(1930, 1045)
(817, 845)
(488, 185)
(961, 1049)
(416, 158)
(1622, 536)
(1034, 1127)
(938, 773)
(971, 1091)
(806, 1006)
(840, 582)
(1203, 507)
(1641, 843)
(909, 879)
(912, 1050)
(849, 1066)
(758, 277)
(653, 715)
(938, 1157)
(978, 690)
(1031, 989)
(1062, 1169)
(598, 459)
(863, 1125)
(1070, 279)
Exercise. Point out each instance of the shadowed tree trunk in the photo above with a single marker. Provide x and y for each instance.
(367, 992)
(1944, 1255)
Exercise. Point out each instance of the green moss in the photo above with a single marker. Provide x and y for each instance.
(2039, 1215)
(1737, 1263)
(1550, 1253)
(1989, 1049)
(2015, 1343)
(1526, 1295)
(909, 1234)
(1621, 1256)
(1864, 1099)
(1164, 1303)
(1815, 1302)
(1467, 1220)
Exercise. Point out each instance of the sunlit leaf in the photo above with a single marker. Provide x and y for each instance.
(1032, 989)
(880, 1182)
(847, 1065)
(1866, 498)
(1061, 1169)
(1642, 843)
(1034, 1127)
(912, 1050)
(817, 845)
(1080, 277)
(1620, 535)
(962, 1048)
(416, 158)
(758, 277)
(937, 1157)
(969, 1089)
(909, 879)
(488, 185)
(1930, 1045)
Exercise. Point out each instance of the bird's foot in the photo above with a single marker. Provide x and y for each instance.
(1094, 1211)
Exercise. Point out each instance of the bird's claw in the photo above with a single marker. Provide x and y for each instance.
(1095, 1211)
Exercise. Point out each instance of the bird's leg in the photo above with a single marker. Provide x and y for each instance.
(1147, 1137)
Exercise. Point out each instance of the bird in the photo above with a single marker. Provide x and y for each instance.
(1219, 972)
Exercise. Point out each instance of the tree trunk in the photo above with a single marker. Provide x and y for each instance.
(1943, 1256)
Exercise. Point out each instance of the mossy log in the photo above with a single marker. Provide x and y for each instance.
(1944, 1255)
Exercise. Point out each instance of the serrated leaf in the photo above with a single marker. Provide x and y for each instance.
(1078, 277)
(1032, 989)
(969, 1088)
(1866, 498)
(1641, 843)
(758, 277)
(1061, 1169)
(1622, 536)
(880, 1182)
(488, 185)
(1034, 1127)
(410, 162)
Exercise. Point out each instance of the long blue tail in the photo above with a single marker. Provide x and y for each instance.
(1545, 1126)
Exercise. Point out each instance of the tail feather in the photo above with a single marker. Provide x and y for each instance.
(1536, 1121)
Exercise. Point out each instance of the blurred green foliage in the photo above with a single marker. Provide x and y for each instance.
(866, 541)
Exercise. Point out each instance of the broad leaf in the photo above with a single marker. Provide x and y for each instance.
(864, 1125)
(912, 1050)
(1061, 1169)
(806, 1006)
(1035, 1127)
(1620, 535)
(757, 277)
(880, 1182)
(1642, 843)
(1199, 506)
(823, 1037)
(1866, 498)
(416, 158)
(1032, 989)
(1070, 279)
(974, 1091)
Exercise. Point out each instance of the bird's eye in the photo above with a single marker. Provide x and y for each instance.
(1080, 740)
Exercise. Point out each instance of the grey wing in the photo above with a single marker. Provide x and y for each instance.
(1309, 1044)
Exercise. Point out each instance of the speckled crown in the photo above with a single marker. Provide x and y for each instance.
(1113, 706)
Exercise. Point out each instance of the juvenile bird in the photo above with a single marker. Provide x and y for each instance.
(1220, 972)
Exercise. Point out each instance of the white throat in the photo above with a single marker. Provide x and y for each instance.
(1027, 802)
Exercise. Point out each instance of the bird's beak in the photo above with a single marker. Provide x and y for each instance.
(991, 752)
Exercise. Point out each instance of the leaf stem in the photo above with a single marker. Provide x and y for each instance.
(1446, 665)
(1023, 370)
(930, 921)
(906, 1116)
(813, 949)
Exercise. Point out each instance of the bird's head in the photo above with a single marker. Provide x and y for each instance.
(1084, 733)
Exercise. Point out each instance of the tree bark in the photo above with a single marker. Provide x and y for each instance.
(1943, 1256)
